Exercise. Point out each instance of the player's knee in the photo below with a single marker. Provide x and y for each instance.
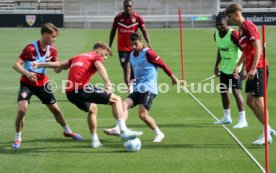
(21, 111)
(143, 114)
(93, 109)
(116, 99)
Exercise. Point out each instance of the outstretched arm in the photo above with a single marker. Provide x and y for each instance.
(57, 66)
(153, 58)
(103, 73)
(112, 35)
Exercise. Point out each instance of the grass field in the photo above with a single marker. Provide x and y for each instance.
(192, 144)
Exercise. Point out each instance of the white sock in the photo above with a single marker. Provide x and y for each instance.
(242, 116)
(157, 131)
(227, 114)
(18, 136)
(117, 127)
(94, 137)
(121, 124)
(67, 129)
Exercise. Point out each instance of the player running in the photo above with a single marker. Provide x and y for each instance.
(228, 54)
(145, 63)
(127, 22)
(86, 96)
(35, 81)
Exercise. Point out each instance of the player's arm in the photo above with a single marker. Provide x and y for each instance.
(112, 32)
(18, 66)
(103, 73)
(153, 58)
(216, 68)
(257, 55)
(145, 35)
(237, 67)
(57, 66)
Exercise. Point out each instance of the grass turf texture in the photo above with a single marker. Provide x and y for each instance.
(192, 143)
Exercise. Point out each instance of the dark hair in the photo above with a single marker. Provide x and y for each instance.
(135, 36)
(49, 28)
(102, 45)
(221, 17)
(126, 1)
(232, 8)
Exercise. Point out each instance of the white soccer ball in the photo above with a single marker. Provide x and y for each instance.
(133, 144)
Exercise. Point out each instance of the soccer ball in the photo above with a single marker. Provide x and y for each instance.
(133, 144)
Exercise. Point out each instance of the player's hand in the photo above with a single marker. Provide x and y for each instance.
(149, 45)
(34, 65)
(31, 76)
(236, 72)
(216, 72)
(243, 74)
(251, 73)
(108, 87)
(174, 80)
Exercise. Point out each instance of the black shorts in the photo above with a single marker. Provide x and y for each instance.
(124, 57)
(45, 94)
(256, 86)
(228, 80)
(142, 98)
(87, 95)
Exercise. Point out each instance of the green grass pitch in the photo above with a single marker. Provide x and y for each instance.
(192, 144)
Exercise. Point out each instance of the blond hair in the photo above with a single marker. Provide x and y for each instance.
(102, 45)
(232, 8)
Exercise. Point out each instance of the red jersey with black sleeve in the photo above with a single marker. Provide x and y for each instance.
(153, 58)
(248, 32)
(82, 68)
(126, 25)
(29, 54)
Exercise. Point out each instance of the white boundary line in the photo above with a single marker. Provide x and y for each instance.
(231, 134)
(211, 77)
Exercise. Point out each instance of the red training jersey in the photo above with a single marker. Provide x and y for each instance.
(81, 70)
(249, 32)
(126, 26)
(29, 54)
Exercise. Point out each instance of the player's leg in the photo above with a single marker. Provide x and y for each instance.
(236, 89)
(254, 90)
(125, 63)
(24, 96)
(224, 85)
(145, 102)
(92, 124)
(239, 100)
(48, 98)
(127, 103)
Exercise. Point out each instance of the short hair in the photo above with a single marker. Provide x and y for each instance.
(135, 36)
(49, 28)
(126, 1)
(232, 8)
(221, 17)
(102, 45)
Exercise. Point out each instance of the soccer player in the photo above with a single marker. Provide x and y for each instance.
(127, 22)
(249, 41)
(228, 54)
(86, 96)
(144, 62)
(35, 82)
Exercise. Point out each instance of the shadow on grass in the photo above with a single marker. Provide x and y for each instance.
(197, 125)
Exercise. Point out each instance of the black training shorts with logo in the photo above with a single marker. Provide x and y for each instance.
(256, 86)
(142, 99)
(83, 98)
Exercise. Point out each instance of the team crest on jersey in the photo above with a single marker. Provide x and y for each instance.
(133, 20)
(30, 19)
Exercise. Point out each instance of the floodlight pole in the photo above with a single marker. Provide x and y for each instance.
(265, 99)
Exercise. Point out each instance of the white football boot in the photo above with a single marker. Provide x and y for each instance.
(241, 124)
(261, 140)
(224, 121)
(159, 137)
